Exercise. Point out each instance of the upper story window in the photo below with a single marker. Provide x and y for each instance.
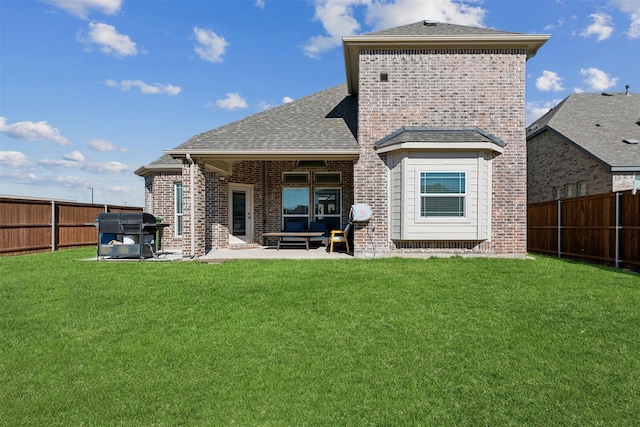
(568, 190)
(443, 194)
(582, 189)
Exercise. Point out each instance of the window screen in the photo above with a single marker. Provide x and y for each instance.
(442, 194)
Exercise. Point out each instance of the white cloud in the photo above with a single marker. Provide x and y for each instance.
(632, 7)
(601, 26)
(598, 79)
(260, 4)
(559, 23)
(33, 131)
(71, 181)
(231, 102)
(14, 159)
(145, 89)
(549, 81)
(75, 156)
(634, 28)
(81, 8)
(287, 100)
(76, 160)
(98, 144)
(211, 47)
(389, 14)
(110, 42)
(536, 110)
(338, 17)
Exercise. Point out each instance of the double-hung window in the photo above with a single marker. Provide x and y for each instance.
(443, 194)
(178, 208)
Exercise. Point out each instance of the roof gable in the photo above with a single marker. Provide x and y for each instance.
(434, 35)
(597, 124)
(432, 28)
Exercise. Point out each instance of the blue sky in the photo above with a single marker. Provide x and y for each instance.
(90, 90)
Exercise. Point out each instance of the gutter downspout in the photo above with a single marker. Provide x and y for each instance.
(193, 205)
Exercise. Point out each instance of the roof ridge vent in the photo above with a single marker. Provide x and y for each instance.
(430, 23)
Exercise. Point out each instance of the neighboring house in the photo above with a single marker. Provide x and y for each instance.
(587, 144)
(429, 130)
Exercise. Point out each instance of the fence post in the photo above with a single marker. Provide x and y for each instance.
(53, 225)
(617, 230)
(559, 228)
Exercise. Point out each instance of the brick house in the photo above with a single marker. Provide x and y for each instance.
(588, 144)
(428, 130)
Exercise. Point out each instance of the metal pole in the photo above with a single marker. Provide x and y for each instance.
(617, 230)
(559, 229)
(91, 188)
(53, 225)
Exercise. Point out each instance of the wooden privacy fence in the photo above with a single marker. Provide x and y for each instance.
(603, 228)
(37, 225)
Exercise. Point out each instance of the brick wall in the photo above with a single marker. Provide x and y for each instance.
(160, 201)
(552, 162)
(444, 88)
(266, 179)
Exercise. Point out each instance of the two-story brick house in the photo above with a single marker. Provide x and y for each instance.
(587, 144)
(428, 130)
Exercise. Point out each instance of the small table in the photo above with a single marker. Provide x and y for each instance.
(303, 237)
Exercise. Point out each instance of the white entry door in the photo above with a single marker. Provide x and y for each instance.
(241, 213)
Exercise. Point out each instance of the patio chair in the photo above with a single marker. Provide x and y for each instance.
(340, 236)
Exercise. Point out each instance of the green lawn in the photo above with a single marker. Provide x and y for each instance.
(290, 343)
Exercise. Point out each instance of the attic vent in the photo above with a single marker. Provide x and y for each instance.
(607, 94)
(430, 23)
(630, 141)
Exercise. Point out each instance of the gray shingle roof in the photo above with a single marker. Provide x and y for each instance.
(436, 29)
(598, 124)
(447, 136)
(323, 121)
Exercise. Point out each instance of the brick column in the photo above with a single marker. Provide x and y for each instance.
(198, 215)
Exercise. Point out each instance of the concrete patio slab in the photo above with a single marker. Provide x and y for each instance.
(270, 252)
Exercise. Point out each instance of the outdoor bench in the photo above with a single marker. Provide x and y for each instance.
(294, 237)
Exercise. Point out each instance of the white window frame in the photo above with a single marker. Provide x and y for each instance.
(309, 204)
(319, 214)
(569, 190)
(422, 195)
(178, 209)
(581, 189)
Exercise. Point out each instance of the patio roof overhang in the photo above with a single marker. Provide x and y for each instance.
(222, 161)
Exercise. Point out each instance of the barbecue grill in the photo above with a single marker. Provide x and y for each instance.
(127, 234)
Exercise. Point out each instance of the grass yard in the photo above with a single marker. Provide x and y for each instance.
(291, 343)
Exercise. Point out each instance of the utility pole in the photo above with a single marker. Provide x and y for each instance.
(91, 188)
